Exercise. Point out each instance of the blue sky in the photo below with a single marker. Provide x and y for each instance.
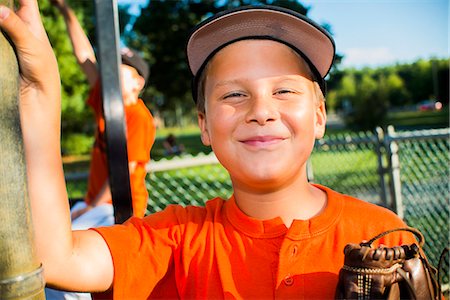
(381, 32)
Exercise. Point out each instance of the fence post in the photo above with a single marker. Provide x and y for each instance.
(381, 165)
(394, 168)
(20, 272)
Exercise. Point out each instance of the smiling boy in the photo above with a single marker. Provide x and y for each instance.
(262, 117)
(258, 84)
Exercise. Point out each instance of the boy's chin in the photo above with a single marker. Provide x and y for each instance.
(263, 180)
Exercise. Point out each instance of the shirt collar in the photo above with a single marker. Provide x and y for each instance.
(300, 229)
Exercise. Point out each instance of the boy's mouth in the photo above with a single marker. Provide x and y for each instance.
(261, 141)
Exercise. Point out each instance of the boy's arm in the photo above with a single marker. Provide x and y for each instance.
(80, 260)
(81, 45)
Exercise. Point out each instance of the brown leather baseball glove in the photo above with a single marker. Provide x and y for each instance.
(401, 272)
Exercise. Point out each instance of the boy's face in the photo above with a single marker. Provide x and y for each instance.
(132, 83)
(262, 113)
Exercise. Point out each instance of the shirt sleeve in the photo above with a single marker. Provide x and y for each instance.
(142, 251)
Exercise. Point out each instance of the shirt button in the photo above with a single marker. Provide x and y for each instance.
(288, 280)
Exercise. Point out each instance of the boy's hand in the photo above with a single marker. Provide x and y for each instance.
(40, 88)
(38, 66)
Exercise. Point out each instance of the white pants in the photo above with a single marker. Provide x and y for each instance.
(102, 215)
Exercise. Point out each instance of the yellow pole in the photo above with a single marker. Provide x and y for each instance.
(20, 272)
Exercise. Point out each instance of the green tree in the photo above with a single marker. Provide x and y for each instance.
(74, 85)
(77, 124)
(397, 94)
(366, 97)
(344, 92)
(442, 80)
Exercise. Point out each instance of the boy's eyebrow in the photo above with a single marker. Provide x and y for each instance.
(278, 79)
(295, 78)
(227, 82)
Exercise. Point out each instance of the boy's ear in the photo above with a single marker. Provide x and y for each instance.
(204, 134)
(321, 120)
(141, 82)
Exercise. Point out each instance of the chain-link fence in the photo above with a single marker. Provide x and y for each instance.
(407, 172)
(186, 180)
(422, 184)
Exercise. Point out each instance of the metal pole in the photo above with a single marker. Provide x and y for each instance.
(381, 168)
(108, 57)
(20, 272)
(394, 163)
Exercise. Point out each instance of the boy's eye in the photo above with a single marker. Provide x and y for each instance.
(284, 91)
(233, 95)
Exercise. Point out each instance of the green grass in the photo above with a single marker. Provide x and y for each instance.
(346, 170)
(359, 161)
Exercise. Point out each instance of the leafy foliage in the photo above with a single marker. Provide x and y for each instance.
(74, 84)
(365, 96)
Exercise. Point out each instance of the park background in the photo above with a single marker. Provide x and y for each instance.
(409, 92)
(401, 92)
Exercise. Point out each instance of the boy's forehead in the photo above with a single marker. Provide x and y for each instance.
(244, 51)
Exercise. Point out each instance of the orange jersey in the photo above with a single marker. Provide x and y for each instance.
(140, 134)
(217, 251)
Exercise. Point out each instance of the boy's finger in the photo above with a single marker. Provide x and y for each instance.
(29, 5)
(29, 13)
(13, 26)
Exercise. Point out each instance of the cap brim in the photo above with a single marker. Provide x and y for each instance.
(276, 23)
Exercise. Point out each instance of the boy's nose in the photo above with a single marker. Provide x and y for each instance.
(262, 109)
